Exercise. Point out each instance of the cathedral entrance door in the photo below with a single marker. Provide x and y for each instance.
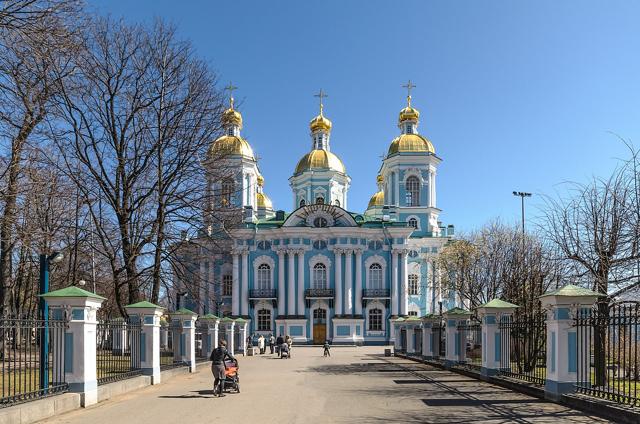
(319, 326)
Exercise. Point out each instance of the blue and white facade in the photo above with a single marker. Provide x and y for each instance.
(323, 271)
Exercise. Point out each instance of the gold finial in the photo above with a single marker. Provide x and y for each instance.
(321, 95)
(230, 88)
(409, 86)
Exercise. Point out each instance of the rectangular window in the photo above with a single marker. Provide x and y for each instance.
(264, 320)
(375, 320)
(413, 313)
(227, 285)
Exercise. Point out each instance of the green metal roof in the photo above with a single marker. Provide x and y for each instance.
(226, 319)
(497, 303)
(399, 319)
(144, 304)
(571, 290)
(429, 316)
(185, 311)
(412, 318)
(240, 320)
(208, 316)
(457, 311)
(71, 291)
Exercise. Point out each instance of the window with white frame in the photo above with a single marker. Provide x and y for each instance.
(319, 276)
(412, 188)
(375, 319)
(375, 276)
(263, 278)
(413, 223)
(413, 313)
(413, 285)
(227, 285)
(264, 320)
(225, 192)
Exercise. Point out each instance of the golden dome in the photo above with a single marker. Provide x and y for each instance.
(232, 117)
(408, 114)
(263, 201)
(320, 160)
(320, 123)
(411, 143)
(376, 200)
(231, 145)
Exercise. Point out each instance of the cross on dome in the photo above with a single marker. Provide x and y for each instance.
(409, 86)
(230, 88)
(321, 95)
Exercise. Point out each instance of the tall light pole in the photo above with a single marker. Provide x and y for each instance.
(522, 195)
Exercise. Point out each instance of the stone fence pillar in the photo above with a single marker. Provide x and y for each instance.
(396, 329)
(79, 341)
(184, 322)
(562, 340)
(228, 325)
(427, 335)
(456, 343)
(149, 316)
(242, 324)
(491, 314)
(412, 322)
(210, 338)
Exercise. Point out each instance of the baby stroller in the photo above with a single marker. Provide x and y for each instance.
(285, 352)
(231, 376)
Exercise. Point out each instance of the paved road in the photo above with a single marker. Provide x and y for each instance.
(355, 385)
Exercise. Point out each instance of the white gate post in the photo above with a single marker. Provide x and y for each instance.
(427, 335)
(455, 343)
(210, 339)
(490, 315)
(79, 339)
(185, 322)
(149, 316)
(562, 339)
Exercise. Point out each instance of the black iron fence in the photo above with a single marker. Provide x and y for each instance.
(439, 341)
(523, 350)
(32, 359)
(171, 346)
(117, 350)
(203, 342)
(417, 341)
(471, 340)
(608, 357)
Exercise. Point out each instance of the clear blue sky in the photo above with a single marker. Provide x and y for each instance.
(514, 95)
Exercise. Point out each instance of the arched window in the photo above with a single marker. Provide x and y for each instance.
(225, 192)
(375, 276)
(264, 320)
(320, 200)
(319, 276)
(375, 319)
(320, 222)
(263, 278)
(302, 203)
(413, 223)
(412, 188)
(413, 285)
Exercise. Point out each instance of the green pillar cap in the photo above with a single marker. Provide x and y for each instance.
(144, 304)
(240, 320)
(457, 311)
(184, 311)
(498, 304)
(71, 291)
(226, 319)
(572, 291)
(209, 316)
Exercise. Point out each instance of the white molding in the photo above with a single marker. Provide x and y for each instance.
(263, 304)
(319, 259)
(417, 218)
(263, 259)
(376, 304)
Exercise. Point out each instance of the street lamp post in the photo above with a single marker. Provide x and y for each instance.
(522, 195)
(45, 261)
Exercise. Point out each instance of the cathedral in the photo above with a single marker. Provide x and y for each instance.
(322, 271)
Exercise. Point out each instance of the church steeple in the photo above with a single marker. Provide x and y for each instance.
(320, 127)
(408, 118)
(231, 118)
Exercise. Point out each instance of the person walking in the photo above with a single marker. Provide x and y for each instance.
(279, 343)
(326, 346)
(261, 344)
(272, 342)
(218, 366)
(289, 341)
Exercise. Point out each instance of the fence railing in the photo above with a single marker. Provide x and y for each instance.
(439, 341)
(471, 334)
(117, 350)
(31, 359)
(170, 347)
(608, 355)
(523, 350)
(202, 342)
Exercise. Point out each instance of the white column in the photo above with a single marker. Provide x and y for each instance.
(291, 281)
(427, 337)
(404, 292)
(491, 313)
(244, 299)
(394, 283)
(358, 299)
(433, 189)
(186, 339)
(397, 174)
(411, 339)
(235, 290)
(281, 271)
(338, 260)
(300, 310)
(348, 282)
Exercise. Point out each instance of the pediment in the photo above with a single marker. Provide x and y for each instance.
(334, 216)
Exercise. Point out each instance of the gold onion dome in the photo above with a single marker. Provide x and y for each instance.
(264, 202)
(320, 123)
(231, 145)
(231, 116)
(376, 200)
(319, 159)
(411, 143)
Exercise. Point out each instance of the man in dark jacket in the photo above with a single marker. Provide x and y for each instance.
(279, 343)
(218, 366)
